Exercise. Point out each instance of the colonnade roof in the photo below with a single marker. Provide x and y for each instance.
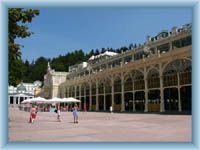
(21, 94)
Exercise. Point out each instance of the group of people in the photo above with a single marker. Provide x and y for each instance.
(34, 110)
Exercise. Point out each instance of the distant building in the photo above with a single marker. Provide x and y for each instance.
(52, 80)
(23, 91)
(77, 67)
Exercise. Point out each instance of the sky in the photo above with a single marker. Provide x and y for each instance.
(58, 31)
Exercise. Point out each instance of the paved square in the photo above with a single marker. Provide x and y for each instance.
(99, 127)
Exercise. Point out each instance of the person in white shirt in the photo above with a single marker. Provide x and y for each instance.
(58, 113)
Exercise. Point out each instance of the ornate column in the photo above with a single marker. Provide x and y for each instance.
(133, 98)
(80, 95)
(179, 94)
(67, 91)
(15, 100)
(122, 92)
(146, 90)
(97, 95)
(9, 99)
(18, 100)
(75, 91)
(84, 94)
(79, 91)
(134, 101)
(162, 103)
(112, 94)
(90, 96)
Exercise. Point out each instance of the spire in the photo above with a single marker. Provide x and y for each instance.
(48, 67)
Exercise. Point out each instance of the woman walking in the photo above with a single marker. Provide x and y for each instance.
(75, 113)
(33, 114)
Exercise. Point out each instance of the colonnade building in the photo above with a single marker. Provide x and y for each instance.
(152, 77)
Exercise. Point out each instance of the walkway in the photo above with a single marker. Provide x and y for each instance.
(103, 127)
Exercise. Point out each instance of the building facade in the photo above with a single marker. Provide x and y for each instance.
(23, 91)
(52, 80)
(152, 77)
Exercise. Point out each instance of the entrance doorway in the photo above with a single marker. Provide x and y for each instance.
(171, 99)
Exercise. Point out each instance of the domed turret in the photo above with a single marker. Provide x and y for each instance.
(21, 88)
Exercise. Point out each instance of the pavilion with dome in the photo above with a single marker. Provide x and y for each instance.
(23, 91)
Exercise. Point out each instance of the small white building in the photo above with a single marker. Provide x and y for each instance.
(23, 91)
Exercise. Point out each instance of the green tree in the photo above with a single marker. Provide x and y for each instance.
(17, 28)
(38, 69)
(26, 71)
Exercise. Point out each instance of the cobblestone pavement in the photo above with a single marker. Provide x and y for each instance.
(99, 127)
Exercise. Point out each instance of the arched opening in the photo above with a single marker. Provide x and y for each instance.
(139, 100)
(128, 101)
(117, 84)
(66, 93)
(70, 91)
(108, 88)
(93, 103)
(117, 102)
(101, 87)
(108, 102)
(138, 79)
(128, 84)
(154, 101)
(171, 99)
(177, 75)
(11, 100)
(186, 98)
(21, 99)
(77, 91)
(153, 79)
(17, 99)
(93, 107)
(87, 102)
(82, 90)
(82, 102)
(101, 103)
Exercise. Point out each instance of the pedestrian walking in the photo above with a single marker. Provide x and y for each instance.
(58, 112)
(33, 113)
(75, 113)
(111, 109)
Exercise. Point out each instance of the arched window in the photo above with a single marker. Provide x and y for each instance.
(181, 67)
(138, 79)
(153, 79)
(128, 83)
(117, 84)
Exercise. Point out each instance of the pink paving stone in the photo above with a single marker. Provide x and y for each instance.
(99, 127)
